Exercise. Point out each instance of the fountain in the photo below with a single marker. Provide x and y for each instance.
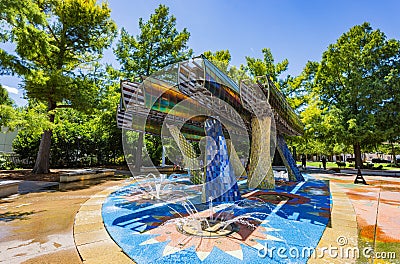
(143, 220)
(221, 205)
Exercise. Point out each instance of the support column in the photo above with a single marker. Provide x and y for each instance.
(189, 155)
(260, 173)
(139, 158)
(234, 160)
(290, 163)
(220, 185)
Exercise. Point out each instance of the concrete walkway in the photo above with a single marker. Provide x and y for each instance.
(377, 211)
(91, 238)
(37, 227)
(49, 227)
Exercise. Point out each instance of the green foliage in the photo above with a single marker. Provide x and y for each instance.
(53, 39)
(301, 90)
(78, 138)
(344, 99)
(4, 99)
(6, 163)
(221, 58)
(154, 148)
(158, 44)
(266, 66)
(7, 115)
(56, 45)
(26, 145)
(7, 112)
(353, 80)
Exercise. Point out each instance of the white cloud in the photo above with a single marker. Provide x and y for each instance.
(11, 89)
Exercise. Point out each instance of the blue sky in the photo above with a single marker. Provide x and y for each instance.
(299, 30)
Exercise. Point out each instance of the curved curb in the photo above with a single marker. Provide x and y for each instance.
(92, 240)
(343, 231)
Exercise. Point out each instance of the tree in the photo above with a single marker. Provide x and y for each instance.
(267, 66)
(79, 138)
(354, 76)
(7, 113)
(221, 58)
(389, 117)
(4, 99)
(158, 44)
(55, 40)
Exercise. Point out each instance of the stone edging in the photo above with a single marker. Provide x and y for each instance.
(92, 240)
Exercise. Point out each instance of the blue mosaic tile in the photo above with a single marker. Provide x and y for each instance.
(219, 174)
(289, 158)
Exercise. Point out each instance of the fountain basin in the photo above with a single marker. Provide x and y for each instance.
(165, 231)
(8, 188)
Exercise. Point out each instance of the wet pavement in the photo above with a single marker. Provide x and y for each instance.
(377, 210)
(36, 226)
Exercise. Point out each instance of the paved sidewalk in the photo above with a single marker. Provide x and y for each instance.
(37, 227)
(377, 208)
(342, 230)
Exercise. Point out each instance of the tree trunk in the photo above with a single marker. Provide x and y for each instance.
(139, 158)
(42, 164)
(357, 155)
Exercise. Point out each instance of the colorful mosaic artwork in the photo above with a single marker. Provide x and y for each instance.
(221, 185)
(290, 163)
(162, 231)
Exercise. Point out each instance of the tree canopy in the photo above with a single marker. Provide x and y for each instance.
(267, 66)
(4, 99)
(56, 41)
(158, 44)
(353, 77)
(7, 113)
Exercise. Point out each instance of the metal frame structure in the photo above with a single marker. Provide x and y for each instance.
(145, 106)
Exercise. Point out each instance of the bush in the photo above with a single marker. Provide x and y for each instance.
(5, 164)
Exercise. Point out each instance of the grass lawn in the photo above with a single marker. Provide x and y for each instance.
(319, 164)
(348, 165)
